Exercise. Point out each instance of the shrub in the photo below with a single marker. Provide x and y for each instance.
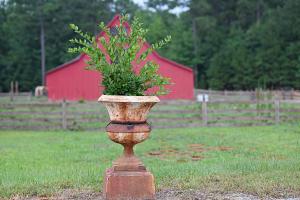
(121, 48)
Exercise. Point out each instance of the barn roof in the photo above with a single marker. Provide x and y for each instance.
(116, 17)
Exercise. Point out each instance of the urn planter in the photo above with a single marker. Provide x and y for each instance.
(128, 177)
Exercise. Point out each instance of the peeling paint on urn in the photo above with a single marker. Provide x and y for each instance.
(128, 138)
(128, 108)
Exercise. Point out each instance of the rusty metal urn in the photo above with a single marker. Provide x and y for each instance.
(128, 177)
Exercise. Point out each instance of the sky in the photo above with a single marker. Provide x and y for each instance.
(176, 10)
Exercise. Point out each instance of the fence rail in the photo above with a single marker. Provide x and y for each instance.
(167, 114)
(214, 95)
(250, 95)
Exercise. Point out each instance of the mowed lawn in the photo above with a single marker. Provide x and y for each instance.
(256, 160)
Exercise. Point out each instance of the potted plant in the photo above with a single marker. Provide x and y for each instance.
(127, 98)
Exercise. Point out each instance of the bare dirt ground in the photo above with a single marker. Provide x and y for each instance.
(161, 195)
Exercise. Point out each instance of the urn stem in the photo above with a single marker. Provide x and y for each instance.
(128, 150)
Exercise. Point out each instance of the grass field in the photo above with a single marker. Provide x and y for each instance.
(257, 160)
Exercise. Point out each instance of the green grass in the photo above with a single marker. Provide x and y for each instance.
(257, 160)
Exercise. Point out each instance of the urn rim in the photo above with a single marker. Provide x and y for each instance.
(130, 99)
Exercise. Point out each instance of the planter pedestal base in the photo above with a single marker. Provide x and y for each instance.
(133, 185)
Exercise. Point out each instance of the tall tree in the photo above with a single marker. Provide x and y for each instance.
(4, 48)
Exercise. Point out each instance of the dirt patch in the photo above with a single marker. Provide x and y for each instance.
(67, 195)
(155, 153)
(196, 148)
(219, 148)
(197, 157)
(193, 152)
(167, 194)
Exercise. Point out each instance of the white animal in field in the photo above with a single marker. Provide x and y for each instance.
(40, 91)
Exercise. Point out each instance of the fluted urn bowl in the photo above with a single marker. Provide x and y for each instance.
(125, 109)
(128, 115)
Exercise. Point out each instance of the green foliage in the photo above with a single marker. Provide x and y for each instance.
(20, 35)
(122, 49)
(255, 48)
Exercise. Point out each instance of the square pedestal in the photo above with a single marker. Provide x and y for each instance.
(129, 185)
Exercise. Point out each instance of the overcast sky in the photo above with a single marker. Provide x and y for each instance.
(176, 10)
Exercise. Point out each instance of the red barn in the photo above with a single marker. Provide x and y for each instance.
(71, 81)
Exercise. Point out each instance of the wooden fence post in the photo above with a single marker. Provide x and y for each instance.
(204, 112)
(11, 94)
(30, 96)
(64, 115)
(17, 88)
(277, 111)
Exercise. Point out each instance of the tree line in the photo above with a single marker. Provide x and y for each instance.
(232, 44)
